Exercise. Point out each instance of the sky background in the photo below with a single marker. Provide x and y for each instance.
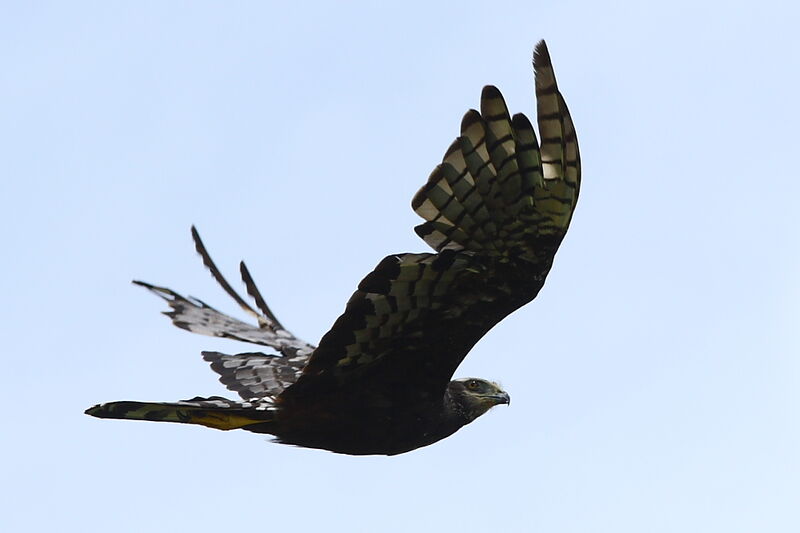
(654, 380)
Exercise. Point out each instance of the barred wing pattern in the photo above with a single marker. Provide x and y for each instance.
(496, 190)
(253, 375)
(496, 210)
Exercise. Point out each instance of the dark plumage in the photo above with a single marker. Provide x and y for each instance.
(495, 210)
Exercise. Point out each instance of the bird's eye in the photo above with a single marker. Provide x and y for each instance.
(473, 384)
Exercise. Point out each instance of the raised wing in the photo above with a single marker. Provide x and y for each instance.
(253, 374)
(496, 210)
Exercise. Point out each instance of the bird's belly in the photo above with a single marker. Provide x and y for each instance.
(360, 432)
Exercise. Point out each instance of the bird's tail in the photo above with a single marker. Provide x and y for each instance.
(214, 412)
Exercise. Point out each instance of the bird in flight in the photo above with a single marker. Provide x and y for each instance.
(380, 381)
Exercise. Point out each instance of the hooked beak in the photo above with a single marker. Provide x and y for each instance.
(501, 397)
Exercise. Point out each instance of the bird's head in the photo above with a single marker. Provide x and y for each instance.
(474, 396)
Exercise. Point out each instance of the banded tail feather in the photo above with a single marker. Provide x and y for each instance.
(214, 412)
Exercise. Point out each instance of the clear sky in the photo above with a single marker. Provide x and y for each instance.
(654, 380)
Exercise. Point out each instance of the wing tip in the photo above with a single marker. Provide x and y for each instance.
(490, 92)
(421, 195)
(211, 356)
(163, 292)
(521, 120)
(541, 56)
(471, 117)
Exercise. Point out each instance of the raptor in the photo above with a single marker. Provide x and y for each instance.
(380, 381)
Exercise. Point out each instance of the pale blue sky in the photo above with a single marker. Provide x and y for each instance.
(654, 380)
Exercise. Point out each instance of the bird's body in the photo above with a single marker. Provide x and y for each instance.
(374, 422)
(379, 382)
